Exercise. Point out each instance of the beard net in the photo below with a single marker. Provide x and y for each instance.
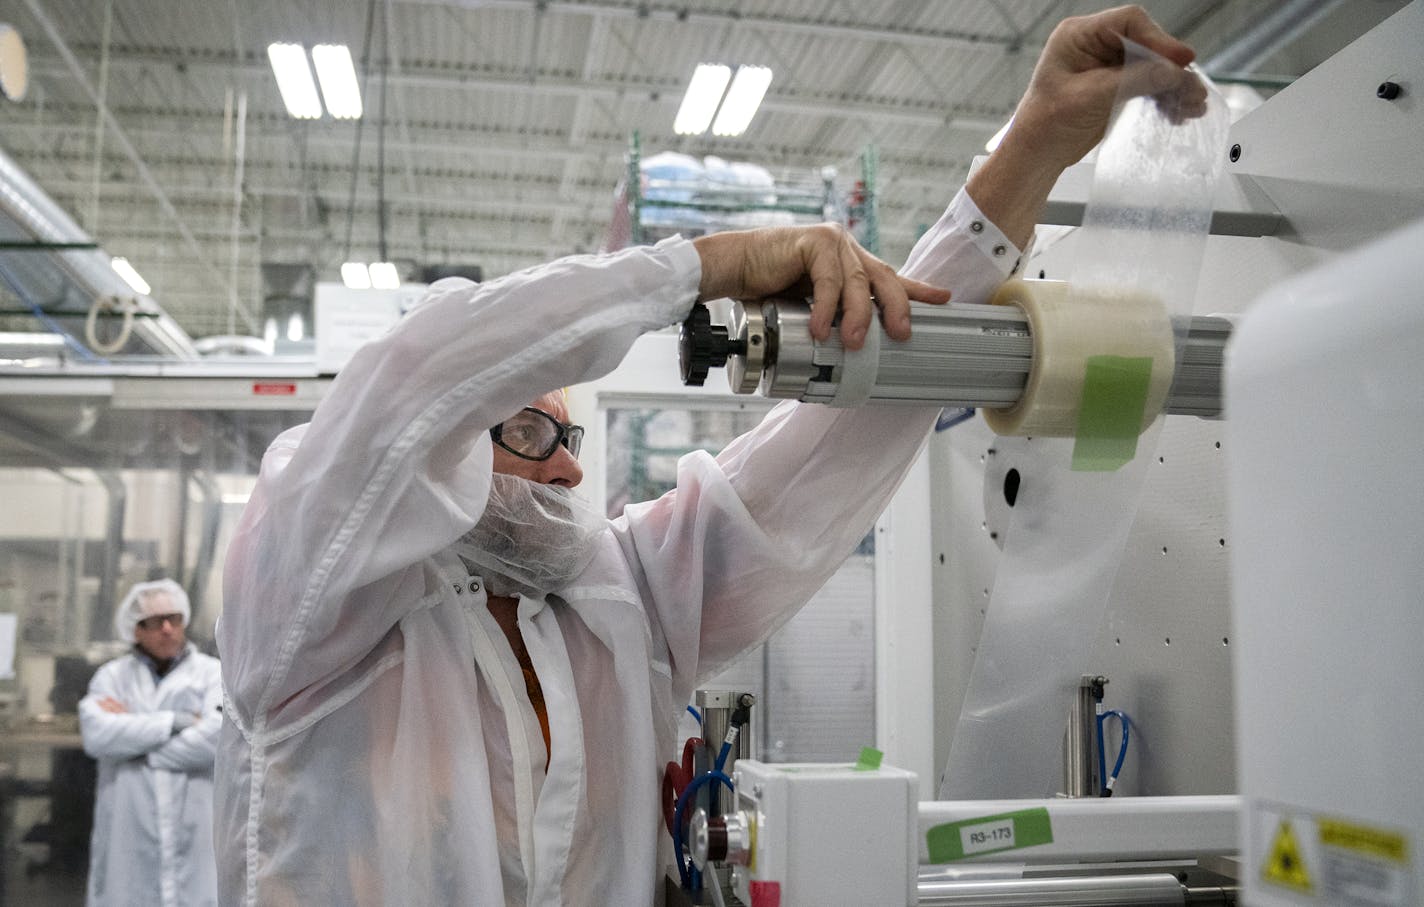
(532, 539)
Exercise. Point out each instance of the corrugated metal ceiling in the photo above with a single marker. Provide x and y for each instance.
(507, 121)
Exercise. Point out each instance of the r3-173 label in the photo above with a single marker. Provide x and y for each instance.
(997, 835)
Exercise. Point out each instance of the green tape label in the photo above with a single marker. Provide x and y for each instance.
(869, 759)
(990, 834)
(1111, 414)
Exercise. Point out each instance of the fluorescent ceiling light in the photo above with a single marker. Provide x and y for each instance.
(130, 276)
(294, 80)
(742, 101)
(338, 80)
(355, 275)
(384, 276)
(709, 80)
(998, 137)
(381, 275)
(30, 338)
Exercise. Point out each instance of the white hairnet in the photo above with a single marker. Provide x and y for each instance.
(148, 600)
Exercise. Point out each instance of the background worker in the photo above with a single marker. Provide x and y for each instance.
(151, 719)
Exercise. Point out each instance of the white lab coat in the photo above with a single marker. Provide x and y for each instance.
(153, 806)
(381, 747)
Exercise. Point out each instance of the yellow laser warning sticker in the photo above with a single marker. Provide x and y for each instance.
(1366, 840)
(1285, 865)
(1344, 861)
(1364, 864)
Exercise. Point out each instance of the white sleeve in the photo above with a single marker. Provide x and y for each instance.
(118, 736)
(749, 537)
(196, 747)
(396, 461)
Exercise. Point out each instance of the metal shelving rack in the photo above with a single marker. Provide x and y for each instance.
(809, 196)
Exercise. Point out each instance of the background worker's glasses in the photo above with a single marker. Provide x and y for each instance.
(158, 620)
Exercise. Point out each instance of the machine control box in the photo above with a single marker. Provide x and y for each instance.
(827, 834)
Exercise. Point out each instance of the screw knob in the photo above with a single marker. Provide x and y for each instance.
(702, 345)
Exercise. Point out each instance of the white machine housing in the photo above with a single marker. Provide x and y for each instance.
(1340, 165)
(1325, 394)
(827, 834)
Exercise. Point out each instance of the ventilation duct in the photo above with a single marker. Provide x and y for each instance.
(287, 291)
(57, 274)
(432, 273)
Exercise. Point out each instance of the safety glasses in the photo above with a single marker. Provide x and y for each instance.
(158, 620)
(533, 434)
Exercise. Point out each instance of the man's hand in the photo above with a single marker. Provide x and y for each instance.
(110, 704)
(184, 720)
(1068, 104)
(1070, 96)
(825, 261)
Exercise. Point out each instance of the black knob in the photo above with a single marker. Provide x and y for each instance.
(702, 344)
(1388, 91)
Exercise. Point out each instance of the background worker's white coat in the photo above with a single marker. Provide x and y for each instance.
(381, 747)
(153, 806)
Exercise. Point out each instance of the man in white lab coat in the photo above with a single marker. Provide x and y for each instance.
(445, 686)
(151, 719)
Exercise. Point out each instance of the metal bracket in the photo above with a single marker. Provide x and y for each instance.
(1241, 207)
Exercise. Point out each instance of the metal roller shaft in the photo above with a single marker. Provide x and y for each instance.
(1136, 890)
(958, 355)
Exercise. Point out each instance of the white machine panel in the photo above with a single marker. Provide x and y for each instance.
(1325, 426)
(346, 319)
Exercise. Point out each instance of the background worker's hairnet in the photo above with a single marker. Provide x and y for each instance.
(148, 600)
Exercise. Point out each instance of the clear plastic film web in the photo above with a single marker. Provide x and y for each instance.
(1141, 244)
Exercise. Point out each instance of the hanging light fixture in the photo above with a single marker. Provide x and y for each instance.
(294, 80)
(130, 275)
(355, 275)
(337, 75)
(14, 63)
(384, 276)
(708, 95)
(742, 100)
(334, 70)
(704, 92)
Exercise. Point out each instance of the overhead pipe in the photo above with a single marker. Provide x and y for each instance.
(59, 241)
(1276, 30)
(100, 618)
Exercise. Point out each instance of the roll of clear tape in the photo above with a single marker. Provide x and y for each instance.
(1069, 325)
